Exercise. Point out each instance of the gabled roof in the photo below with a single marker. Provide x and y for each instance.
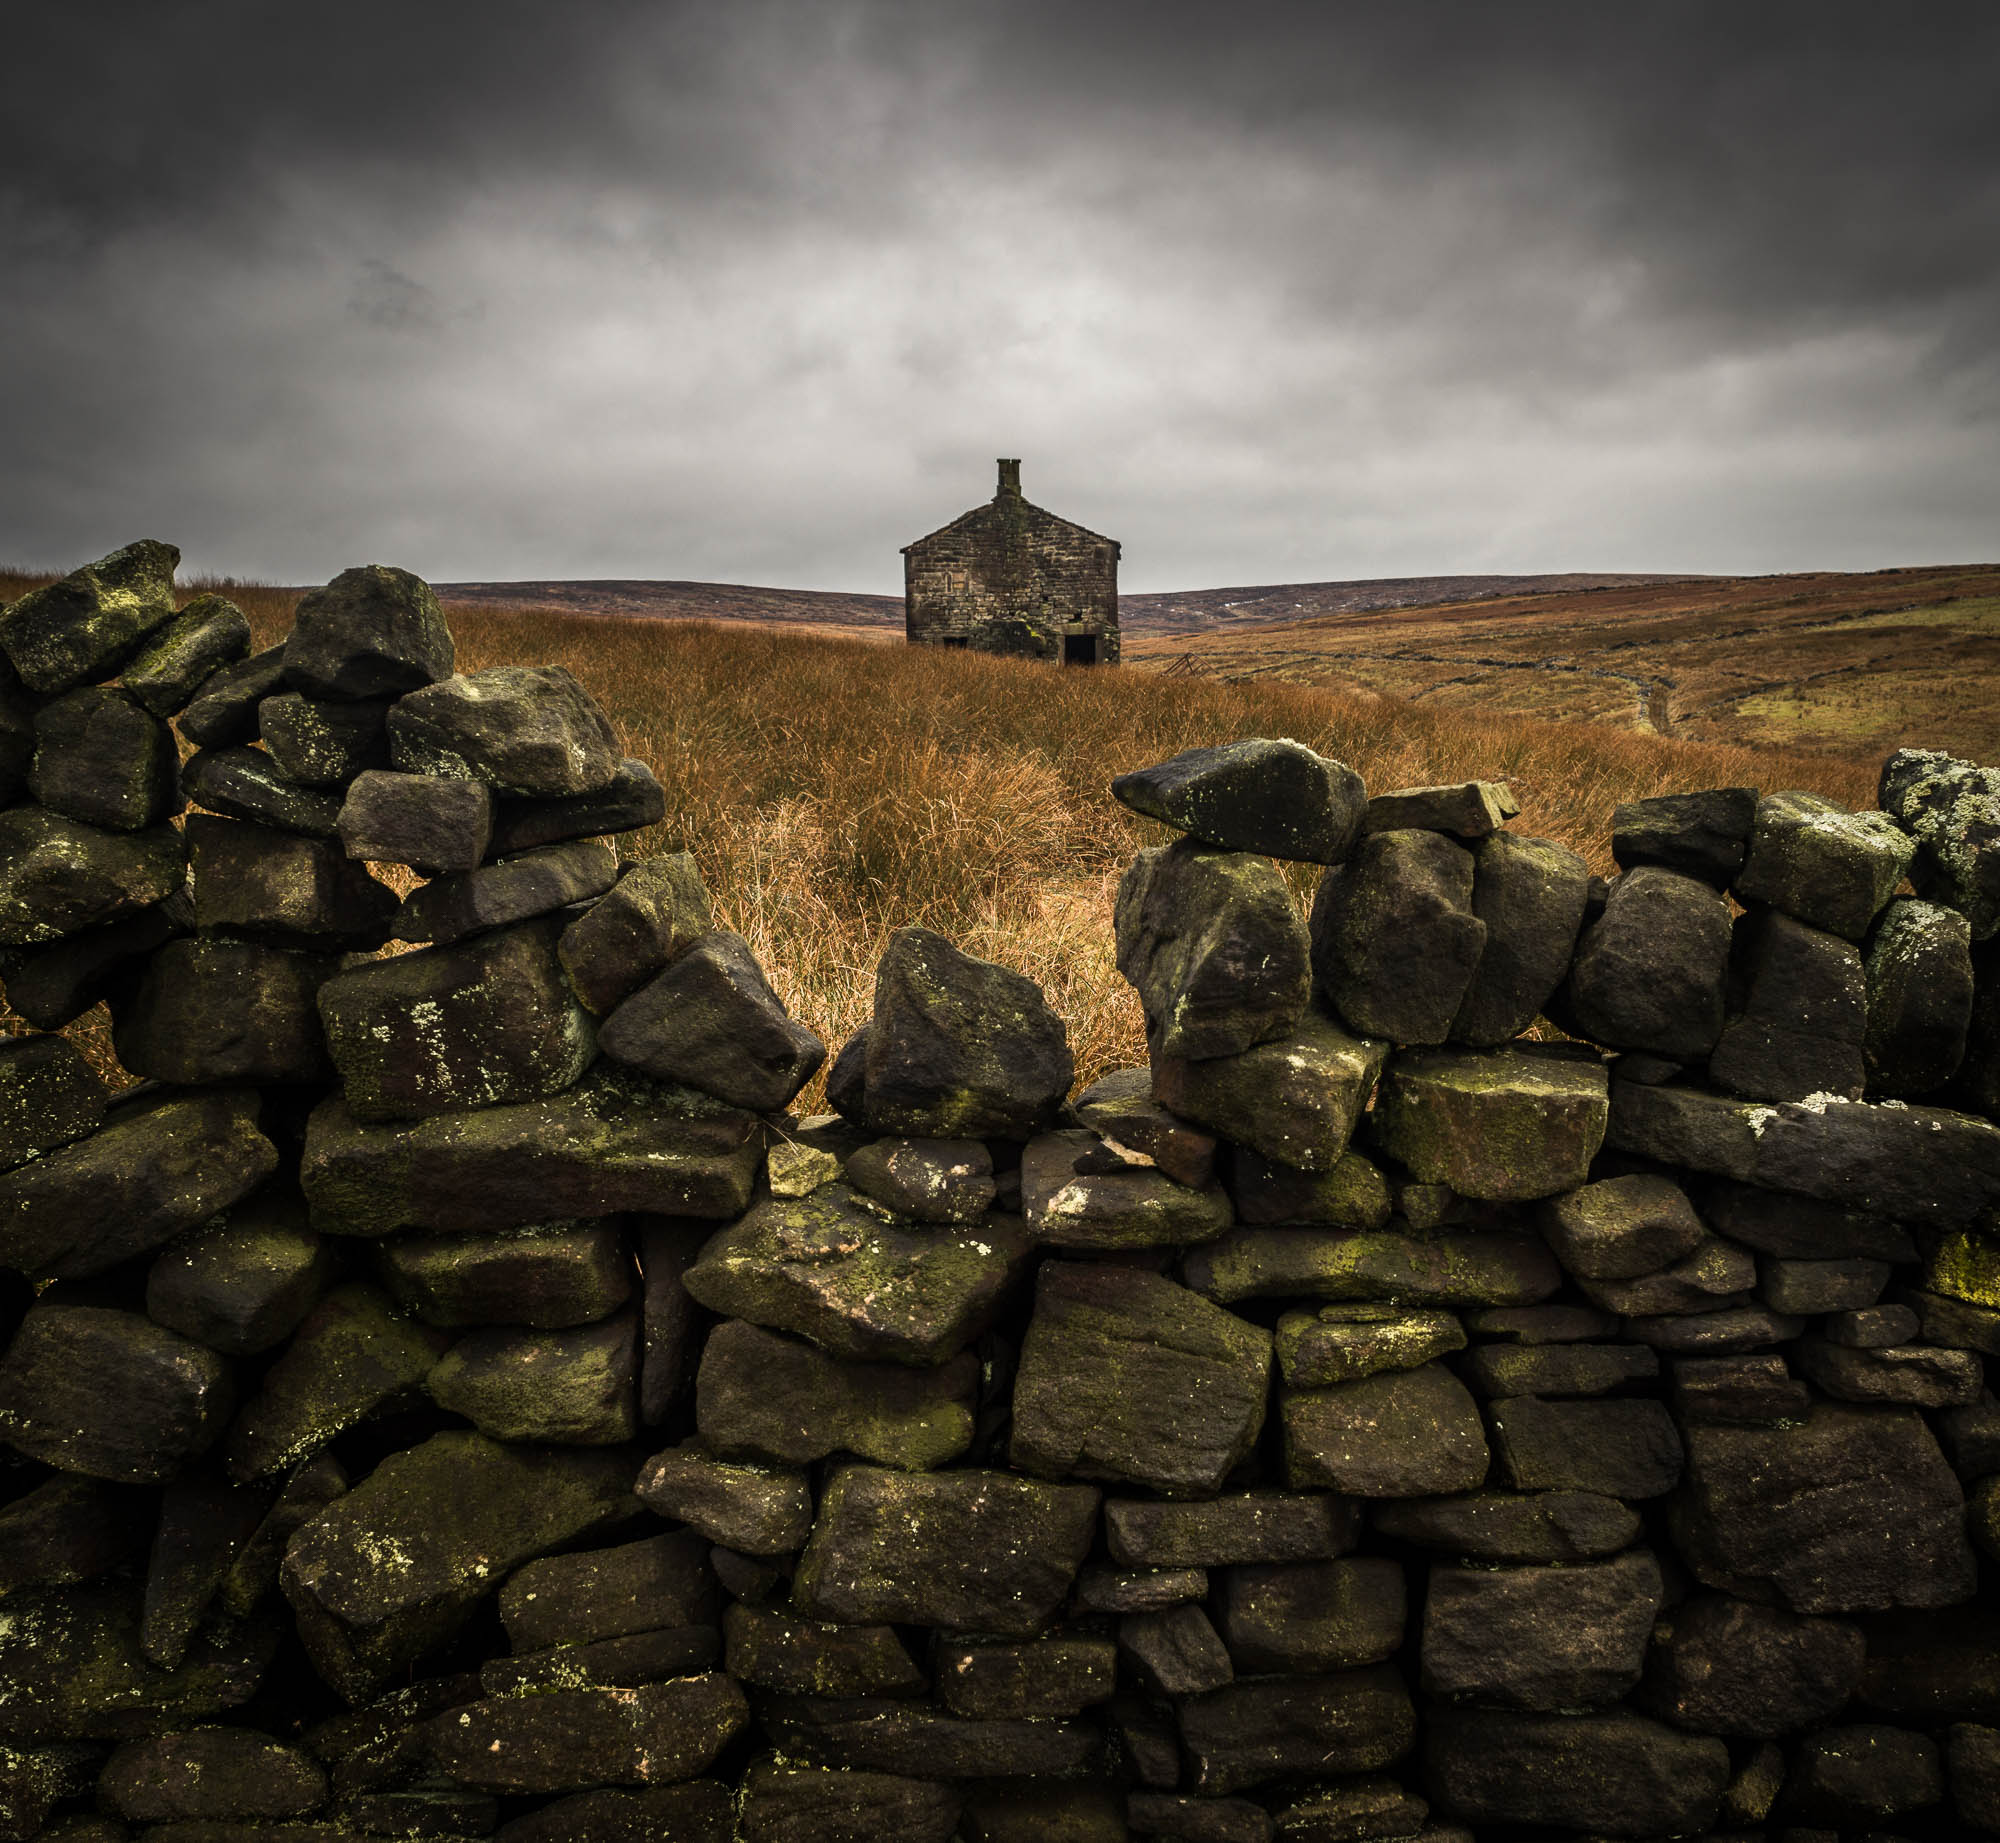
(982, 512)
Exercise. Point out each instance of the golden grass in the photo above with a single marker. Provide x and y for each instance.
(833, 790)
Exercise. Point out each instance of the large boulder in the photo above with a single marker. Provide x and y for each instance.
(529, 730)
(1273, 797)
(515, 889)
(1401, 1433)
(1650, 972)
(102, 757)
(1799, 1024)
(1822, 864)
(1725, 1666)
(59, 875)
(210, 1011)
(656, 910)
(80, 630)
(267, 884)
(1701, 835)
(1920, 992)
(371, 632)
(1530, 894)
(1952, 809)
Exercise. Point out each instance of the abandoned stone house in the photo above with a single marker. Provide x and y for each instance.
(1008, 577)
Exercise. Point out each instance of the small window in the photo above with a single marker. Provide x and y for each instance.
(955, 581)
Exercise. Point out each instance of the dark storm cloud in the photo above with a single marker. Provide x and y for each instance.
(756, 291)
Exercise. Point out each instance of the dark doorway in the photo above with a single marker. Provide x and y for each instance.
(953, 640)
(1080, 649)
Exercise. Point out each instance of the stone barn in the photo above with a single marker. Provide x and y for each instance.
(1008, 577)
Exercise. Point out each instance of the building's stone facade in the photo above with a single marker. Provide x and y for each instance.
(1008, 577)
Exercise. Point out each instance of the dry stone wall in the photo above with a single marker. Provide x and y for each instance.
(453, 1396)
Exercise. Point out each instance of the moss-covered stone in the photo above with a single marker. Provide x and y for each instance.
(1650, 972)
(245, 783)
(102, 757)
(1071, 1200)
(908, 1737)
(771, 1648)
(1119, 1108)
(59, 875)
(1275, 797)
(210, 1011)
(1952, 809)
(324, 744)
(78, 631)
(49, 1096)
(223, 710)
(243, 1282)
(1530, 894)
(1305, 1617)
(631, 799)
(1699, 835)
(515, 889)
(1343, 1343)
(1622, 1448)
(784, 1800)
(1266, 1728)
(571, 1387)
(267, 884)
(1798, 1014)
(1452, 1268)
(753, 1509)
(210, 633)
(1546, 1527)
(658, 1583)
(1621, 1226)
(210, 1773)
(531, 730)
(929, 1180)
(1828, 867)
(1405, 1433)
(373, 631)
(1051, 1678)
(546, 1275)
(1920, 993)
(431, 825)
(655, 911)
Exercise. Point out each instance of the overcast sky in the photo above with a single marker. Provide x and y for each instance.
(756, 292)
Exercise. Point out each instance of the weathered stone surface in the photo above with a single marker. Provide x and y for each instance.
(161, 1163)
(971, 1550)
(103, 758)
(1650, 971)
(1548, 1527)
(1621, 1227)
(171, 664)
(696, 1811)
(210, 1772)
(613, 1142)
(1466, 809)
(1912, 1375)
(1342, 1343)
(929, 1180)
(669, 1334)
(210, 1011)
(110, 1394)
(56, 983)
(832, 1271)
(1124, 1375)
(69, 1528)
(1353, 1194)
(49, 1096)
(1412, 1433)
(1273, 797)
(1504, 1370)
(761, 1396)
(1797, 1027)
(1701, 835)
(1793, 1227)
(371, 632)
(656, 910)
(1485, 1267)
(529, 730)
(1253, 1526)
(773, 1649)
(1201, 1820)
(788, 1803)
(1529, 893)
(573, 1387)
(515, 889)
(223, 709)
(1561, 1322)
(1920, 989)
(1104, 1589)
(1295, 1100)
(1394, 939)
(270, 885)
(1952, 809)
(1745, 1390)
(1069, 1201)
(243, 1282)
(77, 631)
(433, 825)
(1730, 1330)
(58, 875)
(245, 783)
(753, 1509)
(1049, 1678)
(1828, 867)
(567, 1740)
(912, 1738)
(1716, 1276)
(393, 1567)
(1306, 1618)
(477, 1024)
(1213, 945)
(1874, 1327)
(959, 1047)
(1539, 1638)
(321, 744)
(1953, 1323)
(549, 1275)
(1120, 1109)
(660, 1582)
(1499, 1125)
(1613, 1773)
(1863, 1774)
(1724, 1666)
(1353, 1721)
(1853, 1509)
(711, 1021)
(1626, 1449)
(1173, 1652)
(633, 797)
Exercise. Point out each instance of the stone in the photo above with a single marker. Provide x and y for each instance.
(971, 1550)
(656, 910)
(1125, 1376)
(1482, 1267)
(1622, 1227)
(1612, 1772)
(70, 1528)
(895, 1736)
(1852, 1509)
(1972, 1769)
(103, 758)
(1914, 1375)
(830, 1270)
(109, 1394)
(1119, 1108)
(1627, 1449)
(1295, 1100)
(614, 1142)
(1874, 1327)
(754, 1509)
(1069, 1203)
(1730, 1330)
(1797, 1029)
(1919, 1001)
(1970, 1436)
(432, 825)
(1650, 972)
(574, 1387)
(632, 798)
(1545, 1527)
(1306, 1618)
(1952, 1323)
(354, 1356)
(216, 1011)
(772, 1649)
(1197, 1820)
(1395, 942)
(80, 630)
(245, 783)
(669, 1335)
(1498, 1125)
(763, 1397)
(788, 1803)
(321, 744)
(17, 735)
(243, 1282)
(223, 710)
(394, 1567)
(1410, 1433)
(1703, 835)
(1050, 1678)
(1717, 1275)
(34, 1779)
(1529, 893)
(373, 631)
(792, 1168)
(1821, 864)
(658, 1583)
(56, 983)
(448, 908)
(210, 1772)
(1173, 1652)
(929, 1180)
(477, 1024)
(548, 1276)
(1928, 1668)
(58, 875)
(711, 1021)
(1273, 797)
(1725, 1666)
(1214, 947)
(203, 1527)
(1352, 1195)
(1103, 1589)
(49, 1097)
(1791, 1227)
(1503, 1370)
(695, 1811)
(523, 730)
(1808, 1288)
(1249, 1732)
(1746, 1391)
(256, 882)
(170, 666)
(160, 1164)
(1952, 809)
(567, 1740)
(959, 1048)
(1560, 1322)
(605, 1663)
(1465, 809)
(1860, 1775)
(1251, 1526)
(1342, 1343)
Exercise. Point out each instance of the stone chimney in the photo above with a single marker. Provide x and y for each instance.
(1010, 480)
